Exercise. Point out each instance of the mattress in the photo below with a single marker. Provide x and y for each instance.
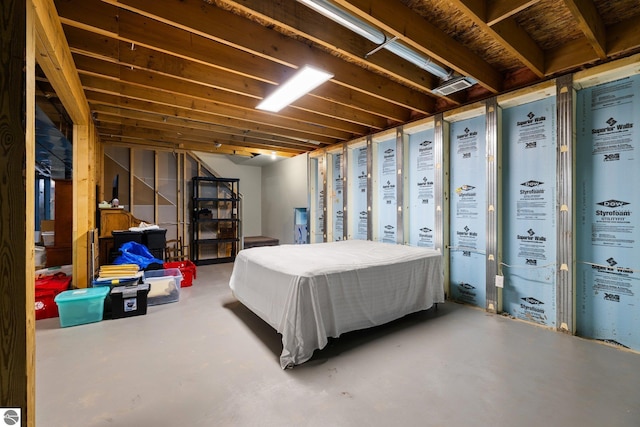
(309, 293)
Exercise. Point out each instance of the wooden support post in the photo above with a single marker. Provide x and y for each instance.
(82, 207)
(54, 57)
(17, 180)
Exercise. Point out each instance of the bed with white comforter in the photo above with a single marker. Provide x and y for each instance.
(309, 293)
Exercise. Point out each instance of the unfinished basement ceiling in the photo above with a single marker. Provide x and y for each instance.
(188, 73)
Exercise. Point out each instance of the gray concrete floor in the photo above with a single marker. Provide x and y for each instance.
(208, 361)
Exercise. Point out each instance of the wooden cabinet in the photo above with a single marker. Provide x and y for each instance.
(113, 219)
(61, 253)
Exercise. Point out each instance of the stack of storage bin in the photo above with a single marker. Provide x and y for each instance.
(154, 239)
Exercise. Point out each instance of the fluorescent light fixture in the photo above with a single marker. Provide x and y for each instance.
(302, 82)
(273, 155)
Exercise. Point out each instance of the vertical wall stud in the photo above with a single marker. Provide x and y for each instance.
(344, 171)
(493, 207)
(369, 187)
(132, 178)
(441, 192)
(322, 169)
(565, 313)
(155, 188)
(399, 184)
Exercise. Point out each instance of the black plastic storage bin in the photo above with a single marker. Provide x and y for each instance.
(127, 301)
(122, 237)
(154, 239)
(112, 283)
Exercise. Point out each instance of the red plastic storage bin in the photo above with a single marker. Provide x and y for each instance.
(47, 288)
(188, 270)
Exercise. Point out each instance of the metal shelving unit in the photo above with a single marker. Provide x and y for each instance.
(215, 222)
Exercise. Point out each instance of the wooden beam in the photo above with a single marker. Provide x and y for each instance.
(499, 10)
(180, 132)
(475, 7)
(202, 143)
(590, 23)
(185, 126)
(569, 56)
(97, 46)
(103, 113)
(398, 20)
(83, 210)
(623, 37)
(255, 51)
(55, 59)
(155, 96)
(141, 143)
(309, 108)
(298, 19)
(97, 98)
(17, 316)
(509, 34)
(149, 132)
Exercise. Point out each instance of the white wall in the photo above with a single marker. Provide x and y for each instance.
(250, 188)
(284, 187)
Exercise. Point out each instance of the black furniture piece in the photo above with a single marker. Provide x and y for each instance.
(215, 224)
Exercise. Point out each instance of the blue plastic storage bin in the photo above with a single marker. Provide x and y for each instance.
(80, 306)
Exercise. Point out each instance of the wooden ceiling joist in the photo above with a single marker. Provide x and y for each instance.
(199, 67)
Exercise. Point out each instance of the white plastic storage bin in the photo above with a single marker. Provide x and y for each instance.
(164, 285)
(48, 238)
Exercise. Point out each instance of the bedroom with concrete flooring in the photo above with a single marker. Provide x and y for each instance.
(209, 361)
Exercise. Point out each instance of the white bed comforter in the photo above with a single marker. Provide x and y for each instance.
(311, 292)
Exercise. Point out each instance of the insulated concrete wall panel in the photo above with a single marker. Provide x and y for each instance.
(529, 197)
(385, 187)
(421, 192)
(467, 211)
(335, 188)
(317, 183)
(357, 191)
(607, 203)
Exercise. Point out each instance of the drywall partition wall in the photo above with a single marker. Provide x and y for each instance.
(529, 210)
(357, 190)
(420, 204)
(284, 188)
(385, 191)
(335, 196)
(608, 207)
(317, 192)
(250, 184)
(467, 211)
